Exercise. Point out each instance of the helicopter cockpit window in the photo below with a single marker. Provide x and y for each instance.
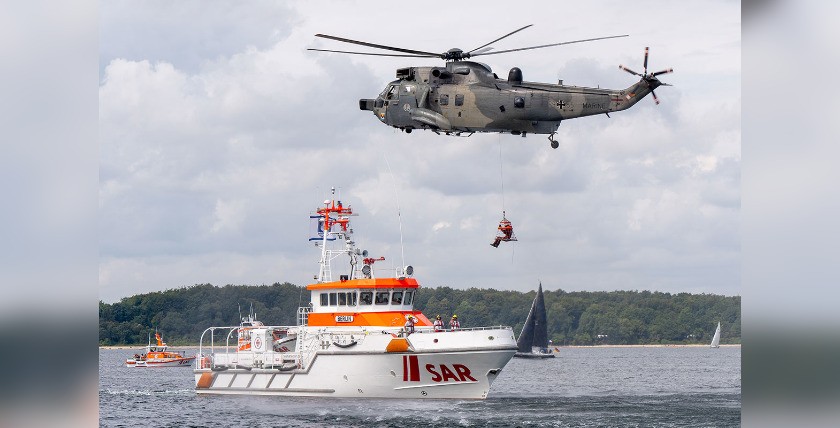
(459, 99)
(444, 99)
(519, 102)
(392, 93)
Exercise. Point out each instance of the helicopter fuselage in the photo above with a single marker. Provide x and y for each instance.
(467, 97)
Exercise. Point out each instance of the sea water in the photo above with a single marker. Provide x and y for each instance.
(581, 387)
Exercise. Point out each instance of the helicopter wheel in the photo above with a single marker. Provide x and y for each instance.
(554, 143)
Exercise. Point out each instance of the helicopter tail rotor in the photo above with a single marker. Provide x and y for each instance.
(650, 78)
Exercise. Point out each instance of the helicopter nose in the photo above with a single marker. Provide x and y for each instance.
(366, 104)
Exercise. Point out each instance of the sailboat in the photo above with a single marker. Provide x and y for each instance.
(716, 338)
(533, 341)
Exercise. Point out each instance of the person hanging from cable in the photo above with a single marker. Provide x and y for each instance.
(505, 226)
(505, 232)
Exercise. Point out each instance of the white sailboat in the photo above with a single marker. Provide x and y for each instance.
(716, 338)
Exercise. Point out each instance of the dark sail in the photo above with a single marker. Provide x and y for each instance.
(526, 338)
(540, 324)
(535, 331)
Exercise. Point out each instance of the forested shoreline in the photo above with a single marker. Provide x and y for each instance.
(574, 318)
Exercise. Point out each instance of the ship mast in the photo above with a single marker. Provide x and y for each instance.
(335, 214)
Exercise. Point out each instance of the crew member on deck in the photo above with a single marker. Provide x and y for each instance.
(453, 323)
(409, 325)
(438, 323)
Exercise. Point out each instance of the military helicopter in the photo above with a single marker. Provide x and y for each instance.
(467, 97)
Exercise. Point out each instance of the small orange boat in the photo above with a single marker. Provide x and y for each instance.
(159, 356)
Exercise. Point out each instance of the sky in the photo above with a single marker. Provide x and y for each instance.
(219, 133)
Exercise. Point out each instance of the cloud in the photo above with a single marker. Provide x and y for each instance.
(211, 156)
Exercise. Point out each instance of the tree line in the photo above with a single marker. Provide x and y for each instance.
(574, 318)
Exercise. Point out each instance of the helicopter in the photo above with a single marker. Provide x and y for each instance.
(464, 97)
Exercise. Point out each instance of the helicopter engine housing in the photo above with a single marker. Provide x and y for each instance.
(441, 73)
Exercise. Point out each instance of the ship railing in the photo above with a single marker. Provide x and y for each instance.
(205, 358)
(426, 329)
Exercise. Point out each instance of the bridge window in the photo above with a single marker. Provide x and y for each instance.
(444, 99)
(407, 297)
(324, 299)
(519, 102)
(366, 297)
(333, 299)
(342, 299)
(382, 297)
(459, 99)
(351, 298)
(396, 298)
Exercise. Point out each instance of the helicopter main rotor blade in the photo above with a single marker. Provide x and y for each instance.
(646, 58)
(374, 54)
(372, 45)
(655, 98)
(670, 70)
(553, 44)
(629, 70)
(500, 38)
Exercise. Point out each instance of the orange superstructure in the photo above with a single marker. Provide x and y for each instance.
(364, 319)
(367, 283)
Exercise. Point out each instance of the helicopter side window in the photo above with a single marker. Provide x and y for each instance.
(459, 99)
(391, 93)
(444, 99)
(519, 102)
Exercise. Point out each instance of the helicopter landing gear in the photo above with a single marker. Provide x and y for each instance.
(554, 143)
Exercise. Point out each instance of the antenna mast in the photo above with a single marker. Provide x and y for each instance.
(399, 213)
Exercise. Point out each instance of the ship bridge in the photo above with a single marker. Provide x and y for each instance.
(383, 302)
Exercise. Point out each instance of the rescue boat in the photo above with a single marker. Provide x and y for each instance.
(159, 355)
(354, 339)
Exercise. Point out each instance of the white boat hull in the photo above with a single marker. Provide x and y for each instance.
(458, 365)
(466, 375)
